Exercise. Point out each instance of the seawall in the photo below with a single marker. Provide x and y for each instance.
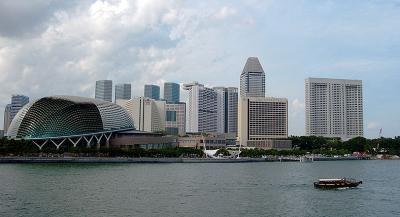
(153, 160)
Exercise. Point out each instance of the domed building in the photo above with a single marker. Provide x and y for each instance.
(58, 119)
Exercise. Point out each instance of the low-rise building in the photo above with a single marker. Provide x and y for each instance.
(145, 140)
(175, 119)
(198, 141)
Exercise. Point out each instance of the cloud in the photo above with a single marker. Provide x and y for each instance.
(297, 107)
(62, 47)
(225, 12)
(26, 18)
(373, 125)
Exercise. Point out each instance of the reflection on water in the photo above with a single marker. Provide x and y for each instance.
(241, 189)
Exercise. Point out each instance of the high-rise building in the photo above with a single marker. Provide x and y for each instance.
(175, 118)
(122, 91)
(17, 102)
(7, 118)
(104, 90)
(147, 114)
(263, 121)
(334, 107)
(252, 79)
(152, 91)
(232, 116)
(227, 109)
(171, 92)
(202, 112)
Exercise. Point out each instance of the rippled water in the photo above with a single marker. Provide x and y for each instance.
(241, 189)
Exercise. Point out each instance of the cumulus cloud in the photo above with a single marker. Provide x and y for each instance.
(297, 107)
(62, 47)
(20, 18)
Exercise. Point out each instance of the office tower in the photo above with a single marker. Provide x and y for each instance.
(122, 91)
(175, 119)
(147, 114)
(17, 102)
(252, 79)
(232, 116)
(7, 118)
(227, 106)
(171, 92)
(334, 107)
(152, 91)
(104, 90)
(202, 112)
(262, 121)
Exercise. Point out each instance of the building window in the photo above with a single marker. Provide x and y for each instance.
(172, 130)
(171, 115)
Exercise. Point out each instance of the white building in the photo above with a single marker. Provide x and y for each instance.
(147, 114)
(262, 121)
(227, 109)
(202, 108)
(7, 118)
(11, 110)
(252, 79)
(175, 118)
(334, 107)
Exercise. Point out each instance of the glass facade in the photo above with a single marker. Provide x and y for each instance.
(171, 92)
(171, 115)
(172, 130)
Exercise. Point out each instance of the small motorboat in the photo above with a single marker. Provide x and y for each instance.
(337, 183)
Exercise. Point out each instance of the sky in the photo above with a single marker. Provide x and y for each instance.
(50, 47)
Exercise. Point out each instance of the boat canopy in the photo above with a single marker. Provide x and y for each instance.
(329, 180)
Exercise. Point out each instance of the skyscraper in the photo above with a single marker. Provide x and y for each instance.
(7, 118)
(152, 91)
(17, 102)
(171, 92)
(227, 108)
(122, 91)
(334, 107)
(202, 112)
(104, 90)
(252, 79)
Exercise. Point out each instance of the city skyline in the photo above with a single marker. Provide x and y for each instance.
(293, 43)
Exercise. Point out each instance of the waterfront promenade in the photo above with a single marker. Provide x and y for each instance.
(160, 160)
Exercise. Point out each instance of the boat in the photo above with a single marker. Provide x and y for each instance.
(337, 183)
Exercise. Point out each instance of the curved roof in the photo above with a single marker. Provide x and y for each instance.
(57, 116)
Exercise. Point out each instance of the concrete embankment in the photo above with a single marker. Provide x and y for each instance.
(155, 160)
(122, 160)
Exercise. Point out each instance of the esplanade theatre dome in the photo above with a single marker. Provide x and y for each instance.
(59, 116)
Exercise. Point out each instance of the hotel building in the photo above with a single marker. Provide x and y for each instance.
(334, 108)
(202, 108)
(262, 121)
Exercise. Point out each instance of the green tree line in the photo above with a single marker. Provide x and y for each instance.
(323, 145)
